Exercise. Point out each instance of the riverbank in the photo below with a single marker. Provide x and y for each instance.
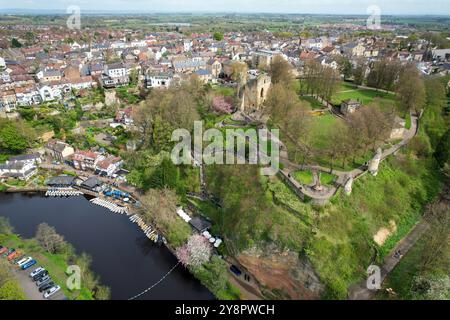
(55, 264)
(122, 256)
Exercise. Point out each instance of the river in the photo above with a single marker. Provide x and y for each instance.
(126, 260)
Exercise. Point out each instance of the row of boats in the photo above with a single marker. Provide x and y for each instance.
(148, 230)
(109, 205)
(62, 192)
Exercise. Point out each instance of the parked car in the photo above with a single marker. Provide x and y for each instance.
(9, 252)
(50, 292)
(24, 260)
(36, 271)
(235, 270)
(13, 255)
(46, 286)
(43, 280)
(17, 259)
(44, 283)
(40, 275)
(29, 264)
(3, 250)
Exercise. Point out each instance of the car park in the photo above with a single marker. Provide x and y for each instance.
(29, 264)
(50, 292)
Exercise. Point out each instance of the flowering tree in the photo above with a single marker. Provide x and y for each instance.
(196, 252)
(222, 105)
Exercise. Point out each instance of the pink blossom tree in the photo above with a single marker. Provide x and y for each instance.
(196, 252)
(221, 104)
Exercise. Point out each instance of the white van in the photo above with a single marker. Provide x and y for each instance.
(23, 261)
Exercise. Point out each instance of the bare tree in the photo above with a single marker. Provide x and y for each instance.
(47, 237)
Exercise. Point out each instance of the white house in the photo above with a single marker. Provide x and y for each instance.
(21, 167)
(108, 166)
(158, 80)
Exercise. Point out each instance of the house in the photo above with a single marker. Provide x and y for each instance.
(59, 150)
(62, 181)
(125, 116)
(263, 58)
(204, 75)
(188, 65)
(21, 170)
(92, 184)
(349, 106)
(49, 75)
(83, 160)
(8, 100)
(107, 167)
(329, 62)
(115, 74)
(158, 80)
(215, 67)
(34, 159)
(200, 224)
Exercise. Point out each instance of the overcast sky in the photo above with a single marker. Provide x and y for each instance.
(275, 6)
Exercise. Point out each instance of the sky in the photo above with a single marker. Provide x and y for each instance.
(410, 7)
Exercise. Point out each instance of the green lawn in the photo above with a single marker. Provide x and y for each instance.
(321, 128)
(313, 102)
(327, 178)
(347, 91)
(304, 177)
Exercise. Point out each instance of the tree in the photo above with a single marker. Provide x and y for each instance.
(281, 71)
(345, 66)
(410, 90)
(222, 105)
(442, 152)
(238, 73)
(218, 36)
(5, 226)
(321, 81)
(102, 293)
(195, 253)
(159, 207)
(384, 74)
(49, 239)
(15, 136)
(15, 43)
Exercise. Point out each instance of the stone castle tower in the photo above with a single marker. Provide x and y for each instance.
(254, 93)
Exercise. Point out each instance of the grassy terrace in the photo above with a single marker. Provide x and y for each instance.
(349, 91)
(304, 177)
